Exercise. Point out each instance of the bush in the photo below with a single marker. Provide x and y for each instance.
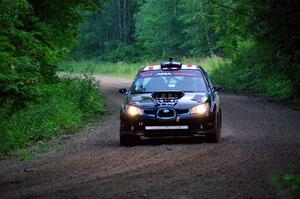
(250, 73)
(252, 80)
(286, 184)
(123, 52)
(58, 108)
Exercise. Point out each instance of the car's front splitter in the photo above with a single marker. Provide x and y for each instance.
(152, 126)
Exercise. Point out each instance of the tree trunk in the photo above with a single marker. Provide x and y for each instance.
(206, 29)
(119, 19)
(98, 35)
(124, 21)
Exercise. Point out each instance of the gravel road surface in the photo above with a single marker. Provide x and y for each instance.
(260, 140)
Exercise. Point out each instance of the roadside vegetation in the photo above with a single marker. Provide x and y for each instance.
(128, 70)
(58, 108)
(287, 185)
(93, 66)
(35, 104)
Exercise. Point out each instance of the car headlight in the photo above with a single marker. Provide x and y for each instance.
(201, 109)
(133, 110)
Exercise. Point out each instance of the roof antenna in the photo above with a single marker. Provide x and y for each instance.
(171, 59)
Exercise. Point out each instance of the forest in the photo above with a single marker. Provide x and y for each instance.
(35, 104)
(257, 41)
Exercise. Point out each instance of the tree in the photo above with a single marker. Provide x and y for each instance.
(158, 28)
(34, 35)
(108, 29)
(201, 35)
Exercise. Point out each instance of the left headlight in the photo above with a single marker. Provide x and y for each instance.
(133, 110)
(201, 109)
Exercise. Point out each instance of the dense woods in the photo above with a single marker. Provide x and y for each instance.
(34, 103)
(259, 38)
(148, 29)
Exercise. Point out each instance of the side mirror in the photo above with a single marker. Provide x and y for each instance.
(217, 88)
(123, 90)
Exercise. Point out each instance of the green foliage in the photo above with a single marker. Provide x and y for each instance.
(262, 40)
(126, 53)
(286, 185)
(250, 73)
(107, 32)
(58, 108)
(293, 180)
(260, 37)
(127, 70)
(34, 35)
(158, 28)
(199, 28)
(120, 69)
(137, 30)
(250, 80)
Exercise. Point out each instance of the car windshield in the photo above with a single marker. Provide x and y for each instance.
(183, 80)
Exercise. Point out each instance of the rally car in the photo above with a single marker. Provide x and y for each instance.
(170, 99)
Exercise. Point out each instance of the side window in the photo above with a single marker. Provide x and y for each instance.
(206, 80)
(136, 85)
(139, 84)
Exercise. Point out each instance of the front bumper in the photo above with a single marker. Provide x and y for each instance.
(181, 125)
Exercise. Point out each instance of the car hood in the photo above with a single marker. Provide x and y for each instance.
(186, 101)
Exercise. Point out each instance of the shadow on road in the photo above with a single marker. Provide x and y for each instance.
(161, 141)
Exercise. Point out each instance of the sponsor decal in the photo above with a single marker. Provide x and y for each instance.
(185, 74)
(163, 74)
(153, 74)
(146, 74)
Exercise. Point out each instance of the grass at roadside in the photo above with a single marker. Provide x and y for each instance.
(286, 184)
(127, 70)
(121, 69)
(58, 108)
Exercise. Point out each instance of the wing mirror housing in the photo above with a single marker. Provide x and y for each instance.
(123, 90)
(217, 88)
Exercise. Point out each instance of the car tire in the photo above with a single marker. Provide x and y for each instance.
(215, 136)
(128, 140)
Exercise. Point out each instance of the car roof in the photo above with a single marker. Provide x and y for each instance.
(158, 67)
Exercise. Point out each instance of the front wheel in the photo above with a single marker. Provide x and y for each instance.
(215, 136)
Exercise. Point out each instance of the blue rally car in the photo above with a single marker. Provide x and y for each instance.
(170, 99)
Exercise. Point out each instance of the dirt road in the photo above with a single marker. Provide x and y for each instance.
(260, 140)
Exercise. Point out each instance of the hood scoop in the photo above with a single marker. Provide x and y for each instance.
(167, 97)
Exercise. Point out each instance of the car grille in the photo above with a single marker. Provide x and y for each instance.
(166, 113)
(154, 112)
(182, 111)
(150, 112)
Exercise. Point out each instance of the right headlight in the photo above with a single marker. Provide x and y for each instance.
(201, 109)
(133, 110)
